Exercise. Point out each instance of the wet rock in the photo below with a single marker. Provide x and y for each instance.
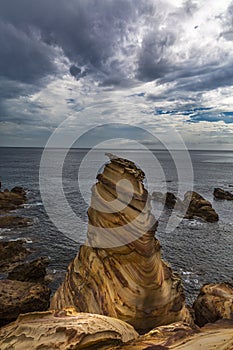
(65, 329)
(119, 272)
(32, 271)
(11, 253)
(219, 193)
(21, 297)
(197, 206)
(11, 200)
(193, 205)
(14, 221)
(214, 302)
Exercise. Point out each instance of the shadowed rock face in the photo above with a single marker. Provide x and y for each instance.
(120, 272)
(219, 193)
(214, 302)
(65, 329)
(200, 207)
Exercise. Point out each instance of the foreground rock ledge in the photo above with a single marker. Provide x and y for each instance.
(65, 329)
(129, 281)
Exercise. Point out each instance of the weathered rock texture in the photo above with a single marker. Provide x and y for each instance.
(214, 302)
(130, 282)
(65, 330)
(30, 271)
(11, 253)
(217, 336)
(219, 193)
(11, 200)
(199, 206)
(20, 297)
(193, 205)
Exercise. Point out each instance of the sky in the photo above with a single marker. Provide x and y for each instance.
(152, 64)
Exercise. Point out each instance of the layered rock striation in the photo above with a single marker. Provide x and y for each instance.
(119, 272)
(214, 302)
(65, 330)
(193, 205)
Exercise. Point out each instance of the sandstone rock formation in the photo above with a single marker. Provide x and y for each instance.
(65, 330)
(193, 205)
(199, 207)
(217, 336)
(214, 302)
(127, 278)
(219, 193)
(20, 297)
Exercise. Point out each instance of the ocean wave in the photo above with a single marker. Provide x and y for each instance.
(31, 205)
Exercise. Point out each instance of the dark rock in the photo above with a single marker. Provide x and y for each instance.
(21, 297)
(14, 221)
(214, 302)
(32, 271)
(12, 252)
(219, 193)
(197, 206)
(11, 200)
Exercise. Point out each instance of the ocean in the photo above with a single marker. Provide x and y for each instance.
(201, 252)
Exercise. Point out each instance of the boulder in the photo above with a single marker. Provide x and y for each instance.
(169, 199)
(11, 253)
(197, 206)
(21, 297)
(14, 221)
(32, 271)
(214, 302)
(65, 329)
(219, 193)
(119, 272)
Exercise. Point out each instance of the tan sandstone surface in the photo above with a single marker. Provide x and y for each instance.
(130, 282)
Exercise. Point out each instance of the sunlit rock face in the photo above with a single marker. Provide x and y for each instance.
(64, 330)
(119, 272)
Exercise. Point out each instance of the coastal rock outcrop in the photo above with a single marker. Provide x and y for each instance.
(219, 193)
(11, 200)
(119, 272)
(63, 330)
(30, 271)
(10, 221)
(193, 205)
(12, 253)
(199, 207)
(21, 297)
(214, 302)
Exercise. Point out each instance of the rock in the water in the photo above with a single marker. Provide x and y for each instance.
(14, 221)
(129, 280)
(217, 336)
(197, 206)
(63, 330)
(31, 271)
(21, 297)
(219, 193)
(169, 199)
(11, 200)
(214, 302)
(11, 253)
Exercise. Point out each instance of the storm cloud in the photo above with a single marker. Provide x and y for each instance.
(56, 56)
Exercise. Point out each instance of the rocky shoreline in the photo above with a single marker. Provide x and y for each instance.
(118, 286)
